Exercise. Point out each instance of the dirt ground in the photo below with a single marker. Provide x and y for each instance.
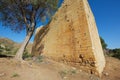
(51, 70)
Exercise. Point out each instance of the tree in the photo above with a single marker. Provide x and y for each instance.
(104, 45)
(25, 14)
(116, 53)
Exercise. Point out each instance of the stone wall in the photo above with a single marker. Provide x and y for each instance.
(72, 38)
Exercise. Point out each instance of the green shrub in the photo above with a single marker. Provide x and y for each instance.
(26, 55)
(114, 53)
(73, 72)
(63, 73)
(14, 51)
(39, 58)
(1, 50)
(103, 43)
(15, 75)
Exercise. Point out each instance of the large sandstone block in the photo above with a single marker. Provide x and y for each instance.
(72, 38)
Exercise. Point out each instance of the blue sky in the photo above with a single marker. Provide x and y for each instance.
(107, 15)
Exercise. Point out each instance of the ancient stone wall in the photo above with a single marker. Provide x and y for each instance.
(72, 38)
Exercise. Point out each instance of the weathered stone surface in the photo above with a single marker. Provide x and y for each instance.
(72, 38)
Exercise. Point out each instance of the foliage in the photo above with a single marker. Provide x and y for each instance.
(15, 75)
(117, 50)
(20, 14)
(0, 50)
(63, 73)
(8, 47)
(39, 58)
(115, 53)
(73, 72)
(110, 52)
(104, 45)
(26, 54)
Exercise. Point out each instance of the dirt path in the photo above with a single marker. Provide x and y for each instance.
(112, 69)
(50, 70)
(12, 70)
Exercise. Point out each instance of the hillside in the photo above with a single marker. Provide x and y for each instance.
(9, 47)
(6, 41)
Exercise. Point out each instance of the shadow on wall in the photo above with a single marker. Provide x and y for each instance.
(38, 46)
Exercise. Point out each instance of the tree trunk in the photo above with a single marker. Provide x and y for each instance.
(20, 52)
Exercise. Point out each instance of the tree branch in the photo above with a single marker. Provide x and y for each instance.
(20, 6)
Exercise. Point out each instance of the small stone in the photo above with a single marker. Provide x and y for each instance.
(2, 74)
(91, 78)
(80, 70)
(81, 56)
(106, 74)
(73, 68)
(65, 77)
(30, 64)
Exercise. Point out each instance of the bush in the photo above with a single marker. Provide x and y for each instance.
(26, 55)
(103, 43)
(15, 75)
(114, 53)
(63, 73)
(40, 58)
